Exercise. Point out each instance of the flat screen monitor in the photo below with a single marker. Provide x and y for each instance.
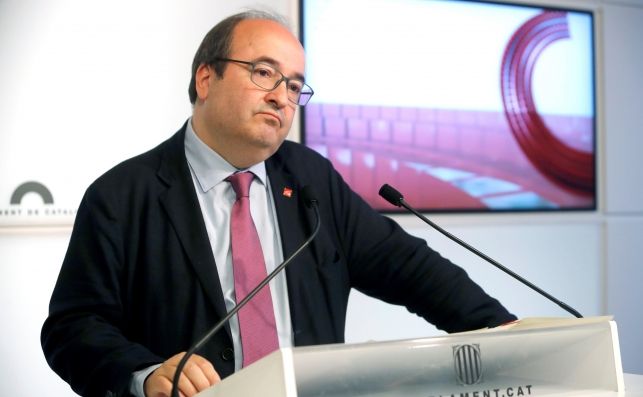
(463, 106)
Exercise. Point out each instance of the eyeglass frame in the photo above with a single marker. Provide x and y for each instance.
(283, 78)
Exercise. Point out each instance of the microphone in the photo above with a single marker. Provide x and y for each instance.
(310, 200)
(394, 197)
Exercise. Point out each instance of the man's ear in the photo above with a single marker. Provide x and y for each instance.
(202, 81)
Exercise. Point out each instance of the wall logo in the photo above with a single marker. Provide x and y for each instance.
(468, 364)
(32, 203)
(31, 187)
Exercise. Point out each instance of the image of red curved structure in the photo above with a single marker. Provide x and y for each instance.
(565, 165)
(476, 142)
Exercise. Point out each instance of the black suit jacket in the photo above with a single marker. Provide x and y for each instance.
(139, 284)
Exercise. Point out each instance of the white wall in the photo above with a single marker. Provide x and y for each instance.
(623, 61)
(87, 84)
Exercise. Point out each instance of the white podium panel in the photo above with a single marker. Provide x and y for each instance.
(527, 358)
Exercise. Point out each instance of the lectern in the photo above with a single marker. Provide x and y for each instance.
(531, 357)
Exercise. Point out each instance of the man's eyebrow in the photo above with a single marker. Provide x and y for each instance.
(273, 62)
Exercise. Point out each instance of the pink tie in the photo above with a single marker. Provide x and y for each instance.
(257, 318)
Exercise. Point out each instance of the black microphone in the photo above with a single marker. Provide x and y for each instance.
(394, 197)
(310, 199)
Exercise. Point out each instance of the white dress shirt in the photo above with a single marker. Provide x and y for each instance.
(216, 197)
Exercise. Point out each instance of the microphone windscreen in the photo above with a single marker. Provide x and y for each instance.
(391, 195)
(309, 196)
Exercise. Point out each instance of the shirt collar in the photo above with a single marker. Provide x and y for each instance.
(208, 166)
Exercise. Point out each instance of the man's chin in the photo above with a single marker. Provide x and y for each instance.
(270, 138)
(261, 149)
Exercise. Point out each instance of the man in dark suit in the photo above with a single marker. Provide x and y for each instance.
(148, 268)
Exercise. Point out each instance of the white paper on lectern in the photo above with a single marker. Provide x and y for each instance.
(529, 358)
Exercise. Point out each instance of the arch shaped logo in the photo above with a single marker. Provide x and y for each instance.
(32, 187)
(32, 203)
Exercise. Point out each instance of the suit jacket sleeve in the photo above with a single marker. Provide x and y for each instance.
(374, 255)
(83, 336)
(138, 283)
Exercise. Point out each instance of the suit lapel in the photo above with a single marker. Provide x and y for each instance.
(311, 321)
(287, 202)
(183, 210)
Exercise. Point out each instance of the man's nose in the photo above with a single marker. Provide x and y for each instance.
(279, 95)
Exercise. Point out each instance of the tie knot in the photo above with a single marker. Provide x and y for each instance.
(241, 183)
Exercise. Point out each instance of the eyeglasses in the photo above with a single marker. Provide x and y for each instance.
(267, 77)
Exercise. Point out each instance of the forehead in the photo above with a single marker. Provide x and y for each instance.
(254, 39)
